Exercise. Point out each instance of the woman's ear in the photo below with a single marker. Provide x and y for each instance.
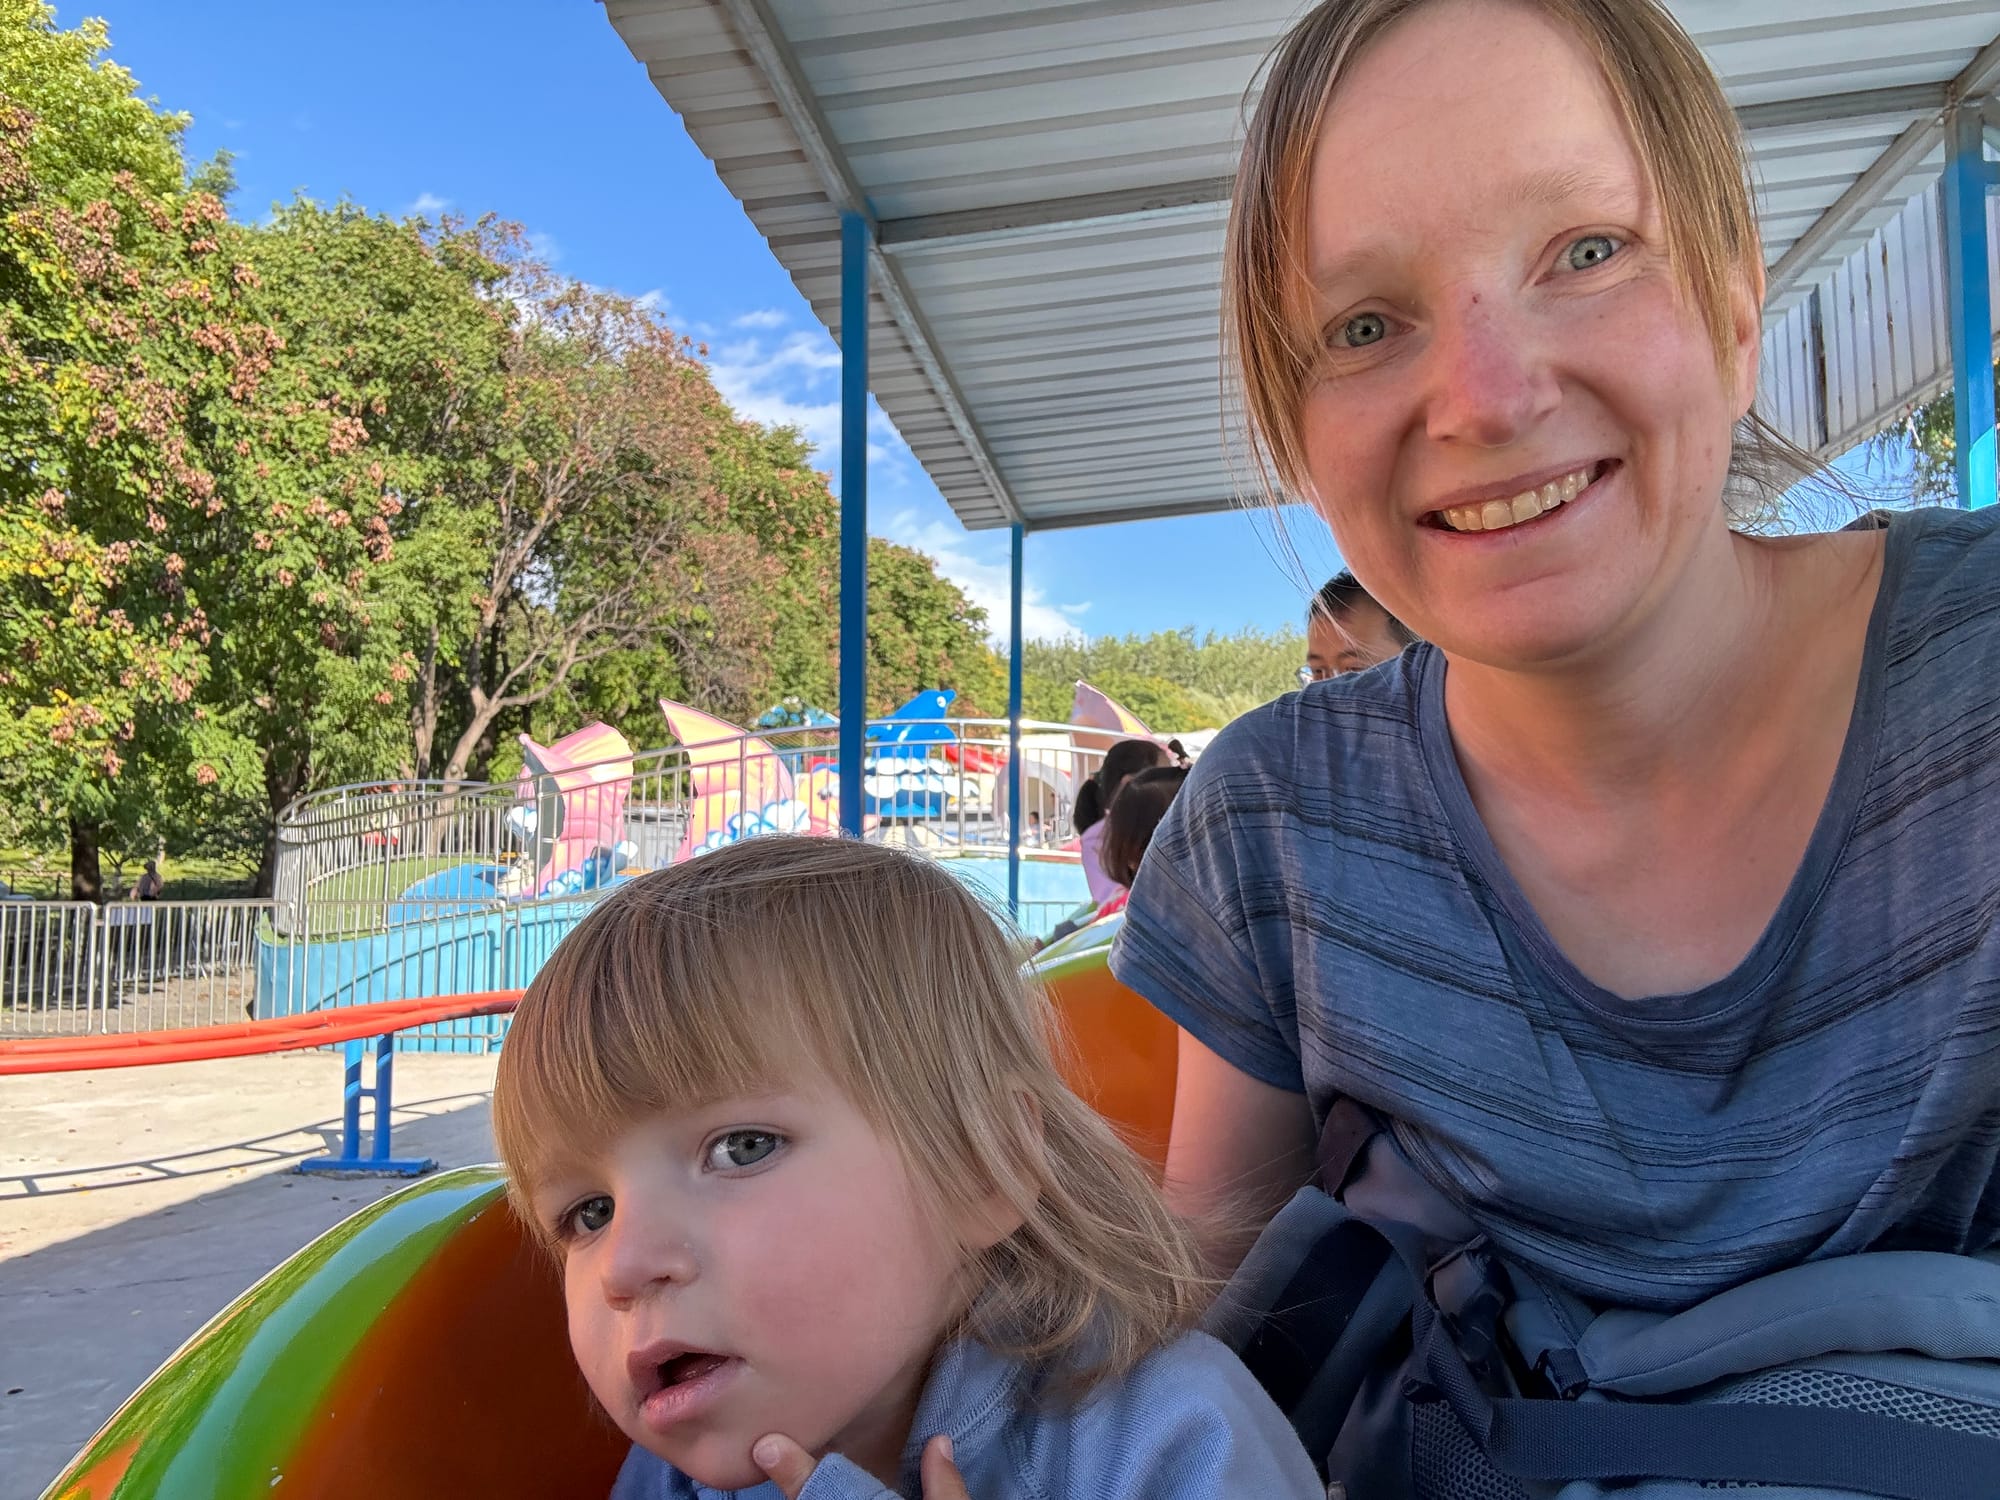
(1746, 333)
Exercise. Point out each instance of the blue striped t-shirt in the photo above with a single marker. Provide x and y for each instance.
(1323, 908)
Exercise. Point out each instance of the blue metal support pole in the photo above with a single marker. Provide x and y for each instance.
(1968, 179)
(377, 1162)
(854, 233)
(1015, 816)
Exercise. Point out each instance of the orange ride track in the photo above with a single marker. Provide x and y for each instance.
(320, 1028)
(351, 1024)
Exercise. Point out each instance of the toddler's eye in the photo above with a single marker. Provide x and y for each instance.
(1360, 331)
(1591, 250)
(587, 1217)
(736, 1149)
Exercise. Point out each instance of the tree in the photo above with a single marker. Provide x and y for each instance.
(1931, 432)
(1171, 679)
(121, 321)
(347, 546)
(924, 633)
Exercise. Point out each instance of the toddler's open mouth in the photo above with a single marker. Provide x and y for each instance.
(673, 1382)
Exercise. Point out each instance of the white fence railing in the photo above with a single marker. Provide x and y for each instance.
(69, 967)
(942, 785)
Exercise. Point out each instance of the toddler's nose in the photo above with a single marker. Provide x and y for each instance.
(642, 1257)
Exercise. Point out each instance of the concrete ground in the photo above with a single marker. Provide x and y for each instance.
(136, 1203)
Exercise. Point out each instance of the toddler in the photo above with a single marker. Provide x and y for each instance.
(831, 1224)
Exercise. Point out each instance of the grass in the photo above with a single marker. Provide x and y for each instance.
(44, 874)
(378, 883)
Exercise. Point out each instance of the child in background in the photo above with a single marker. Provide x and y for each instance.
(1128, 827)
(827, 1214)
(1125, 759)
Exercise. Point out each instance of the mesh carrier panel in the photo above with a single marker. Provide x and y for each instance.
(1802, 1387)
(1446, 1464)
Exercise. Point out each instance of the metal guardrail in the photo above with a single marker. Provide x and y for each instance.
(71, 967)
(948, 791)
(414, 890)
(75, 969)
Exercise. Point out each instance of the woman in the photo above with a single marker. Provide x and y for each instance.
(1651, 901)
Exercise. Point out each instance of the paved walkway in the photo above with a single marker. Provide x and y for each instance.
(136, 1203)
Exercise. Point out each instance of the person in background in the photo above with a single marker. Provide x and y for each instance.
(150, 884)
(1034, 829)
(1121, 762)
(1348, 630)
(1128, 827)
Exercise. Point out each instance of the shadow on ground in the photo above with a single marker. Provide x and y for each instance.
(278, 1148)
(89, 1317)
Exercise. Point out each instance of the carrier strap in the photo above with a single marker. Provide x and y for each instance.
(1349, 1128)
(1315, 1345)
(1710, 1442)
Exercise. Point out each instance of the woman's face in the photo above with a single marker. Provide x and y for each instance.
(1518, 432)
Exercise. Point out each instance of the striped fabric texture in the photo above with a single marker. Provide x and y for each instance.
(1324, 909)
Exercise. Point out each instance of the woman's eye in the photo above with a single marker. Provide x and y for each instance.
(587, 1217)
(1591, 250)
(737, 1149)
(1360, 331)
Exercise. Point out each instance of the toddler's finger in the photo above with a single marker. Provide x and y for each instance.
(942, 1481)
(787, 1464)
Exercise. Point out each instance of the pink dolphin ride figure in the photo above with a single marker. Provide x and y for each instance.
(573, 814)
(734, 777)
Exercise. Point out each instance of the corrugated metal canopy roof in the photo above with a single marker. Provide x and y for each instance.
(1048, 180)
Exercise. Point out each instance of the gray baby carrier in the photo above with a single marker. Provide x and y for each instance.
(1412, 1374)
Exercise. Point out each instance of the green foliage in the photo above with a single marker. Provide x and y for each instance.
(92, 126)
(122, 331)
(923, 633)
(1172, 679)
(1931, 432)
(336, 497)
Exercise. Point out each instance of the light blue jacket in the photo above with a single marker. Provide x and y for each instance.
(1188, 1424)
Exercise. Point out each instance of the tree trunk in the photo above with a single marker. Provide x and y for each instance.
(425, 718)
(281, 786)
(86, 875)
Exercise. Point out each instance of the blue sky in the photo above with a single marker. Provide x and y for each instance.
(538, 112)
(535, 110)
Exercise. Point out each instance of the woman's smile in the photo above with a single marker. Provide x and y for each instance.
(1516, 504)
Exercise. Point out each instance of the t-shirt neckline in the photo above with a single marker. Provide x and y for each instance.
(1822, 854)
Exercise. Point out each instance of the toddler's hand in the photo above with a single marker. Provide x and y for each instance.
(789, 1467)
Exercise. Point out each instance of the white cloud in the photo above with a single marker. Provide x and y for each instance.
(764, 317)
(985, 580)
(429, 205)
(794, 381)
(545, 247)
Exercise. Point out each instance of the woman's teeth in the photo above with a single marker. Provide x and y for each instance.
(1498, 515)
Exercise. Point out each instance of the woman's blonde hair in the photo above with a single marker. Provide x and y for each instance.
(721, 976)
(1679, 121)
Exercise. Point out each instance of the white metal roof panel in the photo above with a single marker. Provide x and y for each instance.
(1048, 177)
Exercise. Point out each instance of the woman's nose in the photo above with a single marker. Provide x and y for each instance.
(642, 1254)
(1490, 380)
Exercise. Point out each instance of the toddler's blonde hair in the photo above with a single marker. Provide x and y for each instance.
(713, 978)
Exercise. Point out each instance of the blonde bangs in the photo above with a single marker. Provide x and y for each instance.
(729, 975)
(783, 957)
